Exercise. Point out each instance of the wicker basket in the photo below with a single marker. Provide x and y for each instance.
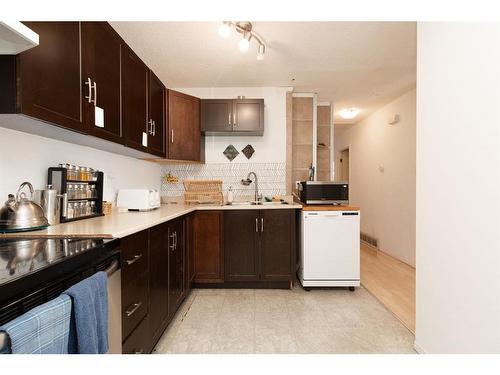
(203, 191)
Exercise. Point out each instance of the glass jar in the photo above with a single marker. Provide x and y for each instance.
(93, 191)
(70, 211)
(89, 191)
(93, 209)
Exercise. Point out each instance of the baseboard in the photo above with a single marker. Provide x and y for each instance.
(418, 348)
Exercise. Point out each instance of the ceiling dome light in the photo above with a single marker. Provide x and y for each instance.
(349, 113)
(261, 51)
(244, 44)
(224, 30)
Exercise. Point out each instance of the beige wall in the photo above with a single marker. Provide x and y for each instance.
(458, 185)
(382, 175)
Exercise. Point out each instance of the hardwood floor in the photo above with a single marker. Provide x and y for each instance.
(391, 281)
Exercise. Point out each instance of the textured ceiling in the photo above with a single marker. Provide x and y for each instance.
(352, 64)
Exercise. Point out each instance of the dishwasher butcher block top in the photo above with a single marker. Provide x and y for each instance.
(320, 207)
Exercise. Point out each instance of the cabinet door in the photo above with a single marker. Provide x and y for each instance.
(277, 241)
(190, 250)
(157, 104)
(241, 232)
(158, 279)
(208, 249)
(134, 100)
(248, 115)
(101, 68)
(216, 115)
(183, 126)
(49, 84)
(176, 266)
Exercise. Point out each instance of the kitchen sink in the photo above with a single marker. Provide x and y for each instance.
(254, 203)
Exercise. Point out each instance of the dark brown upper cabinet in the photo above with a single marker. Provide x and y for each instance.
(232, 116)
(135, 75)
(49, 85)
(156, 109)
(101, 80)
(184, 136)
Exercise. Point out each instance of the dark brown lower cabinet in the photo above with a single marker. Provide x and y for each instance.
(259, 246)
(176, 264)
(139, 342)
(241, 229)
(208, 247)
(158, 280)
(277, 245)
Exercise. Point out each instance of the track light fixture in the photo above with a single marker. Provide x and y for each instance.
(244, 28)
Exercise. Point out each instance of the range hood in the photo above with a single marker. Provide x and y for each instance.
(16, 38)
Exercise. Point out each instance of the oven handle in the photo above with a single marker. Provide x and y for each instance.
(112, 268)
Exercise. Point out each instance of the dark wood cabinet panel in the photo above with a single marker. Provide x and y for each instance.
(190, 251)
(49, 85)
(157, 105)
(208, 247)
(134, 303)
(176, 265)
(139, 342)
(101, 67)
(241, 233)
(248, 115)
(134, 256)
(134, 100)
(276, 250)
(216, 115)
(232, 116)
(184, 135)
(158, 279)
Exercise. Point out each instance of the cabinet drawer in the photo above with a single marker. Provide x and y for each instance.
(134, 303)
(134, 256)
(138, 341)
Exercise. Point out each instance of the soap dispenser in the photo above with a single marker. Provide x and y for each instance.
(230, 195)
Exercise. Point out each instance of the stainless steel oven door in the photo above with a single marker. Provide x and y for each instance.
(114, 308)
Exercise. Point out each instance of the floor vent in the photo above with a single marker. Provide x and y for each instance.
(369, 240)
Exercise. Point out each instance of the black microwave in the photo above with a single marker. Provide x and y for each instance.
(323, 192)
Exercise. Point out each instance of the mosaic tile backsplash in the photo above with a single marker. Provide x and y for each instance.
(271, 176)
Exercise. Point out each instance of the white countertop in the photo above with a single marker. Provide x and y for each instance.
(121, 224)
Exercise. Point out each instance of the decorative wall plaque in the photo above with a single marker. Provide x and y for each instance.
(230, 152)
(248, 151)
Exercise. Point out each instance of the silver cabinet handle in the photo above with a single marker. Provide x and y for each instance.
(172, 132)
(95, 94)
(172, 236)
(234, 119)
(262, 224)
(89, 96)
(175, 239)
(134, 259)
(150, 127)
(256, 225)
(154, 128)
(131, 311)
(229, 119)
(140, 351)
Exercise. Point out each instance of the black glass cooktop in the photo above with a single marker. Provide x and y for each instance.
(20, 257)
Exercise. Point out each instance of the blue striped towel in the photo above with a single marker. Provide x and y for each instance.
(42, 330)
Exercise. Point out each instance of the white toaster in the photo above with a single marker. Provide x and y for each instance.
(138, 199)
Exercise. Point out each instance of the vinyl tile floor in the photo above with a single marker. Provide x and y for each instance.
(272, 321)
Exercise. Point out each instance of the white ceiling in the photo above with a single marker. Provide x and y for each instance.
(352, 64)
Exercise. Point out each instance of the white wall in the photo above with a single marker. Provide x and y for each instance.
(387, 199)
(26, 157)
(269, 148)
(458, 171)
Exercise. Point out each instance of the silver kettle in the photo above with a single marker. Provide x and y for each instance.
(20, 213)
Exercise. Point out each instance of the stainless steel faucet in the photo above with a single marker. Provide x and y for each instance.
(248, 181)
